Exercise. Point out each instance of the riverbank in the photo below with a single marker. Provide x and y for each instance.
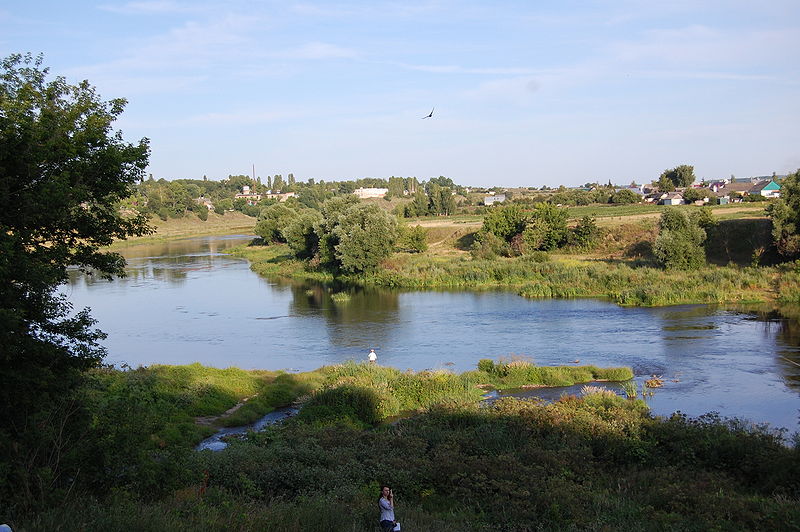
(625, 282)
(190, 225)
(590, 462)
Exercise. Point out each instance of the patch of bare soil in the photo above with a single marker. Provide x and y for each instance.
(210, 420)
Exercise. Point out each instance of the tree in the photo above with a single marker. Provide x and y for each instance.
(785, 214)
(63, 173)
(328, 239)
(301, 236)
(547, 228)
(585, 234)
(412, 239)
(447, 202)
(690, 195)
(681, 176)
(366, 235)
(625, 196)
(505, 221)
(679, 245)
(272, 220)
(665, 184)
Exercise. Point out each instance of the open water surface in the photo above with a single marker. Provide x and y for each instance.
(186, 301)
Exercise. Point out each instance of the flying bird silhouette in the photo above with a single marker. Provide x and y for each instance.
(429, 115)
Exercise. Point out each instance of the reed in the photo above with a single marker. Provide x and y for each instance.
(623, 283)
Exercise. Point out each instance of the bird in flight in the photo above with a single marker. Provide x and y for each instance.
(429, 114)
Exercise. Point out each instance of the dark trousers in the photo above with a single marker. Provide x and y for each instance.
(386, 525)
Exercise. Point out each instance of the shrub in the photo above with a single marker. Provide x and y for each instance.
(272, 220)
(679, 243)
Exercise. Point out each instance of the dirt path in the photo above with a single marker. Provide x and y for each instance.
(447, 223)
(210, 420)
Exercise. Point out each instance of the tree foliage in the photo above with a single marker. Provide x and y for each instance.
(546, 229)
(300, 234)
(63, 173)
(506, 221)
(412, 239)
(625, 196)
(785, 214)
(366, 235)
(679, 245)
(680, 176)
(272, 220)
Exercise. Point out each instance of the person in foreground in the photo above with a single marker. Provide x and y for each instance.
(386, 503)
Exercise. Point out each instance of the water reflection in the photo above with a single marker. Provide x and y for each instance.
(185, 301)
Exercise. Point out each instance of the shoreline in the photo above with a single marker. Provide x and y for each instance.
(625, 284)
(188, 227)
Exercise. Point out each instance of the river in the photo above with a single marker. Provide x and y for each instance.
(187, 301)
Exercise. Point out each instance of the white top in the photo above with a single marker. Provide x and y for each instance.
(387, 510)
(372, 356)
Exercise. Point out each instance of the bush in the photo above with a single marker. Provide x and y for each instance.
(413, 239)
(489, 246)
(586, 233)
(272, 221)
(679, 243)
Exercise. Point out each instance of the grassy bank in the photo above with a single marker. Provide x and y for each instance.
(624, 282)
(190, 225)
(596, 462)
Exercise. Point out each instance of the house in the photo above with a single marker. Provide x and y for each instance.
(716, 186)
(636, 189)
(205, 201)
(251, 197)
(370, 192)
(672, 198)
(743, 188)
(491, 200)
(281, 197)
(768, 189)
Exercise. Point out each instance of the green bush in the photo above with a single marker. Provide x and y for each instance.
(679, 245)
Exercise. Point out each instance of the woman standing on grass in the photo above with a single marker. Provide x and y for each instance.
(386, 503)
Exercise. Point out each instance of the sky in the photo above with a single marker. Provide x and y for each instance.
(526, 93)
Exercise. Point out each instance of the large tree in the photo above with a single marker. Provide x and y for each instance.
(681, 176)
(366, 235)
(785, 214)
(63, 173)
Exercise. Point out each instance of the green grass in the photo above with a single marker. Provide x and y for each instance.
(605, 211)
(599, 462)
(628, 282)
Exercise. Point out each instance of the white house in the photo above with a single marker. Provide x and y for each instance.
(768, 189)
(672, 198)
(370, 192)
(497, 198)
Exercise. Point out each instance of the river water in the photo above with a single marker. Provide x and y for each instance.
(186, 301)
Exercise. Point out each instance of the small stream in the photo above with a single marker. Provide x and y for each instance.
(217, 441)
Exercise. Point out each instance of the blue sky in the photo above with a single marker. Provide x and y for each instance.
(526, 93)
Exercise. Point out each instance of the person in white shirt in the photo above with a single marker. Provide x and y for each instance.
(386, 503)
(372, 356)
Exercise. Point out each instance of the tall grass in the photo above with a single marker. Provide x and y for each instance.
(619, 282)
(599, 462)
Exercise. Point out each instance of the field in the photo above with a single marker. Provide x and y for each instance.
(191, 225)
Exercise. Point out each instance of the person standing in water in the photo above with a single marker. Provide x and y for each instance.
(372, 356)
(386, 503)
